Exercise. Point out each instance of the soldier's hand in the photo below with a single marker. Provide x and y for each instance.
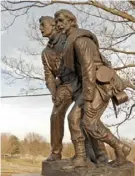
(57, 82)
(53, 98)
(58, 101)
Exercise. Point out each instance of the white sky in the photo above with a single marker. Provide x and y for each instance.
(32, 114)
(22, 115)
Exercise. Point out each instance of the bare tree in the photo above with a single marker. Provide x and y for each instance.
(117, 19)
(114, 24)
(35, 145)
(4, 144)
(14, 145)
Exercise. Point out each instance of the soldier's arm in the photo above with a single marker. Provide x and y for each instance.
(49, 77)
(86, 50)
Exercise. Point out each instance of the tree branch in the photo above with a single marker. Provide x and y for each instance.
(113, 11)
(119, 51)
(127, 118)
(93, 3)
(132, 3)
(126, 66)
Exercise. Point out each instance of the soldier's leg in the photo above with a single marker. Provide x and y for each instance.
(74, 118)
(90, 154)
(63, 101)
(99, 150)
(95, 149)
(77, 135)
(93, 125)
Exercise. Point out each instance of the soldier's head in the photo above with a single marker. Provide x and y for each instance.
(47, 25)
(65, 20)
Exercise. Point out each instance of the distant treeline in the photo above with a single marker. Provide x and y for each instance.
(33, 144)
(36, 145)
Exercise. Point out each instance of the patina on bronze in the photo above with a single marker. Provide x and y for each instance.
(85, 59)
(64, 93)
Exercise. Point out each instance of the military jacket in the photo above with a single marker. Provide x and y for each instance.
(51, 57)
(85, 59)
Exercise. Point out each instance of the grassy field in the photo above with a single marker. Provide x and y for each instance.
(16, 166)
(12, 166)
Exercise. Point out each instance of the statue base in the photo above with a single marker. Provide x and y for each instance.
(55, 169)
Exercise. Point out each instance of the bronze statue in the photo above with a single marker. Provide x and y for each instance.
(100, 83)
(64, 93)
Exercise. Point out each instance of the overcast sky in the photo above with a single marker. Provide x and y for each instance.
(22, 115)
(32, 114)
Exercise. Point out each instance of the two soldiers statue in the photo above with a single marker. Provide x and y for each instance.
(76, 71)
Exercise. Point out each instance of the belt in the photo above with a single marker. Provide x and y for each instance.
(98, 64)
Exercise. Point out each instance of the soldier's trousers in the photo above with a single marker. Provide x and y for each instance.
(75, 119)
(63, 101)
(91, 122)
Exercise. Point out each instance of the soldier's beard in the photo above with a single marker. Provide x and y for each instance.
(64, 31)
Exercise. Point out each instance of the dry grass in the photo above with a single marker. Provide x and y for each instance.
(131, 156)
(68, 150)
(11, 166)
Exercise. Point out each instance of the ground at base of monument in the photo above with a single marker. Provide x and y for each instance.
(27, 174)
(55, 169)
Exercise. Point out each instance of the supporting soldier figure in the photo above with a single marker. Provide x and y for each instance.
(51, 61)
(99, 84)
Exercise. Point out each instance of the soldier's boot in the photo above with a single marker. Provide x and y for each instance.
(102, 158)
(54, 157)
(121, 150)
(80, 159)
(100, 152)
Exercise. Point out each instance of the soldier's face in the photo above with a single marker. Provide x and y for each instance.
(46, 28)
(63, 23)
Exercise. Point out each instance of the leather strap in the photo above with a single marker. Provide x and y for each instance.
(47, 61)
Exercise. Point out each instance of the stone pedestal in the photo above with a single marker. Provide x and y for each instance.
(56, 169)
